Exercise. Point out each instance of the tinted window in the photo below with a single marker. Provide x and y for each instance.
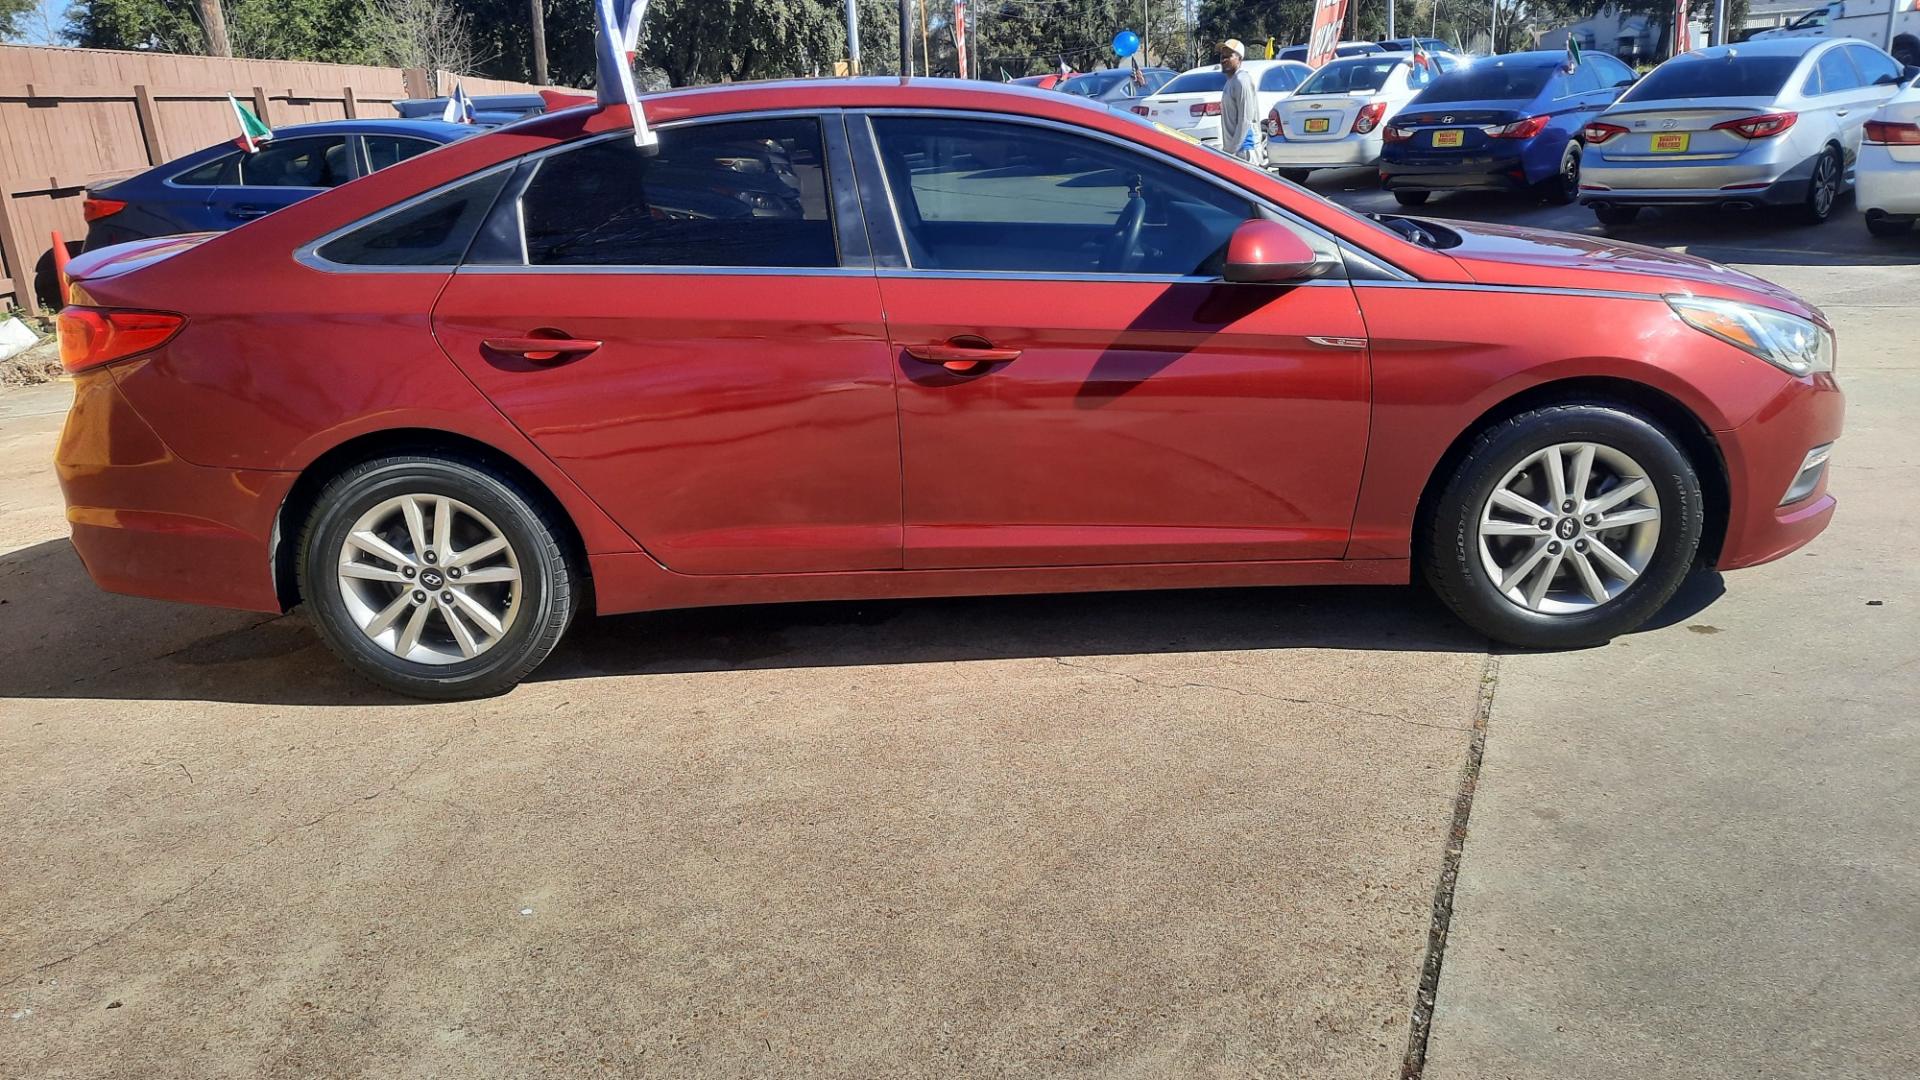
(385, 150)
(1875, 66)
(1835, 73)
(1489, 80)
(1278, 80)
(1197, 82)
(1716, 76)
(431, 233)
(748, 193)
(1094, 85)
(316, 162)
(1346, 77)
(221, 170)
(977, 195)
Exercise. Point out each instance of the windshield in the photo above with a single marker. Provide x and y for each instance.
(1489, 80)
(1197, 82)
(1350, 77)
(1727, 75)
(1091, 85)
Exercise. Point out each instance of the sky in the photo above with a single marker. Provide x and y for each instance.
(36, 27)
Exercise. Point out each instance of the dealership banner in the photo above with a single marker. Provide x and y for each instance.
(1328, 17)
(960, 36)
(1682, 33)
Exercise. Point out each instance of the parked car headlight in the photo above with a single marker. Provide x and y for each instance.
(1786, 341)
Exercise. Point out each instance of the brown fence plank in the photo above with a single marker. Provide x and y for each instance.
(149, 124)
(13, 249)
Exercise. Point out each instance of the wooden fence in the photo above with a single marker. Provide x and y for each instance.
(69, 117)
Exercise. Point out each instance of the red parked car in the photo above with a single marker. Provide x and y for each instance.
(843, 339)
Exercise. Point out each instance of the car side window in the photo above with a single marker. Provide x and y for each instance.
(319, 161)
(991, 196)
(1279, 80)
(221, 170)
(432, 232)
(1876, 67)
(388, 150)
(1836, 72)
(747, 193)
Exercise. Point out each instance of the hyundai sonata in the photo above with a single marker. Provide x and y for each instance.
(848, 339)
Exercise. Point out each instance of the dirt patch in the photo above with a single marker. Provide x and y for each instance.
(39, 364)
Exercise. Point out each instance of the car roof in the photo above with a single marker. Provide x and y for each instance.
(398, 125)
(1542, 58)
(1796, 46)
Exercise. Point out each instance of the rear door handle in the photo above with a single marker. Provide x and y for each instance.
(249, 212)
(542, 348)
(962, 358)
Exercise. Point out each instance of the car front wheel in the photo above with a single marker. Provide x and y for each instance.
(1564, 527)
(1411, 198)
(435, 577)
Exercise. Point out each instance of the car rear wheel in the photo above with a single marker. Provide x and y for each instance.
(1564, 527)
(1411, 198)
(435, 577)
(1616, 215)
(1823, 189)
(1888, 228)
(1564, 186)
(1298, 176)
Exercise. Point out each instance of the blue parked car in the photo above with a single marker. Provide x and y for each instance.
(1505, 123)
(222, 186)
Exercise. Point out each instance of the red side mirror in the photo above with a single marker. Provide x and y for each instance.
(1264, 252)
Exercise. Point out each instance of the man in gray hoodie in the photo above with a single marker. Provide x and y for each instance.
(1239, 102)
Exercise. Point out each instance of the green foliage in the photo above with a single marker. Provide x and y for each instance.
(265, 29)
(11, 12)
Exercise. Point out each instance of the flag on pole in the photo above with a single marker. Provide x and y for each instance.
(616, 36)
(1573, 54)
(252, 131)
(459, 107)
(1420, 57)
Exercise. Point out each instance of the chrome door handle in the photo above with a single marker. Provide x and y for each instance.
(963, 358)
(541, 347)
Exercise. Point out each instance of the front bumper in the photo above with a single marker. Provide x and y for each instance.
(1764, 457)
(124, 489)
(1349, 152)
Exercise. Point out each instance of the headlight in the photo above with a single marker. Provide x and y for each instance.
(1786, 341)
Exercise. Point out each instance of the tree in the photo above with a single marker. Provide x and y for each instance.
(426, 34)
(327, 30)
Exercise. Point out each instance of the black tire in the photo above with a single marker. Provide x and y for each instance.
(1616, 215)
(1450, 545)
(1563, 187)
(1411, 198)
(1823, 188)
(1889, 228)
(549, 584)
(1298, 176)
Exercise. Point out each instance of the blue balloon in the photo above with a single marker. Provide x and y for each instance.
(1126, 43)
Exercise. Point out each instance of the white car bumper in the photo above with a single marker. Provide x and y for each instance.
(1885, 183)
(1345, 153)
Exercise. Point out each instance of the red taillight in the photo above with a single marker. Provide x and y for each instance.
(1204, 108)
(1888, 133)
(1141, 110)
(1369, 117)
(95, 209)
(1523, 129)
(91, 337)
(1394, 133)
(1597, 132)
(1759, 127)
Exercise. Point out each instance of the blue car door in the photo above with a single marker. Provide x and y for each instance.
(281, 173)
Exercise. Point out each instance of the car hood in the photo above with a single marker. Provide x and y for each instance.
(1512, 255)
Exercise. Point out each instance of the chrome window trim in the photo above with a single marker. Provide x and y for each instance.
(643, 269)
(1040, 277)
(308, 254)
(1529, 290)
(1253, 198)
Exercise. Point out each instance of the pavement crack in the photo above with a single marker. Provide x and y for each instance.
(1242, 692)
(1421, 1028)
(173, 898)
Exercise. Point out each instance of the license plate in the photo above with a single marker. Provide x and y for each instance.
(1443, 139)
(1317, 125)
(1671, 143)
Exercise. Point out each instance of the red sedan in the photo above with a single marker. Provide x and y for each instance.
(846, 339)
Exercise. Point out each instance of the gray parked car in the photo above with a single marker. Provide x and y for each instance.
(1115, 87)
(1762, 123)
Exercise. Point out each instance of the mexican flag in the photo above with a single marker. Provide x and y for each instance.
(252, 131)
(1573, 53)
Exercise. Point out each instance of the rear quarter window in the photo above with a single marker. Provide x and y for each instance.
(432, 232)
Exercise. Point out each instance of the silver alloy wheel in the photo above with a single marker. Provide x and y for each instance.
(429, 579)
(1569, 528)
(1826, 184)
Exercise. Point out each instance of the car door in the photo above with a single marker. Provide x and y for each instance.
(280, 173)
(1077, 385)
(722, 385)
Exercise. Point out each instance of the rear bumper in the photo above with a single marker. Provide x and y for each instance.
(1469, 174)
(1344, 153)
(124, 490)
(1763, 183)
(1884, 184)
(1764, 458)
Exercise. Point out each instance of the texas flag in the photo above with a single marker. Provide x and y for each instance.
(616, 36)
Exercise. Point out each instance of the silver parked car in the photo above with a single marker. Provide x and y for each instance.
(1762, 123)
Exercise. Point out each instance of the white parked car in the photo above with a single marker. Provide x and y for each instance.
(1334, 120)
(1887, 173)
(1190, 104)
